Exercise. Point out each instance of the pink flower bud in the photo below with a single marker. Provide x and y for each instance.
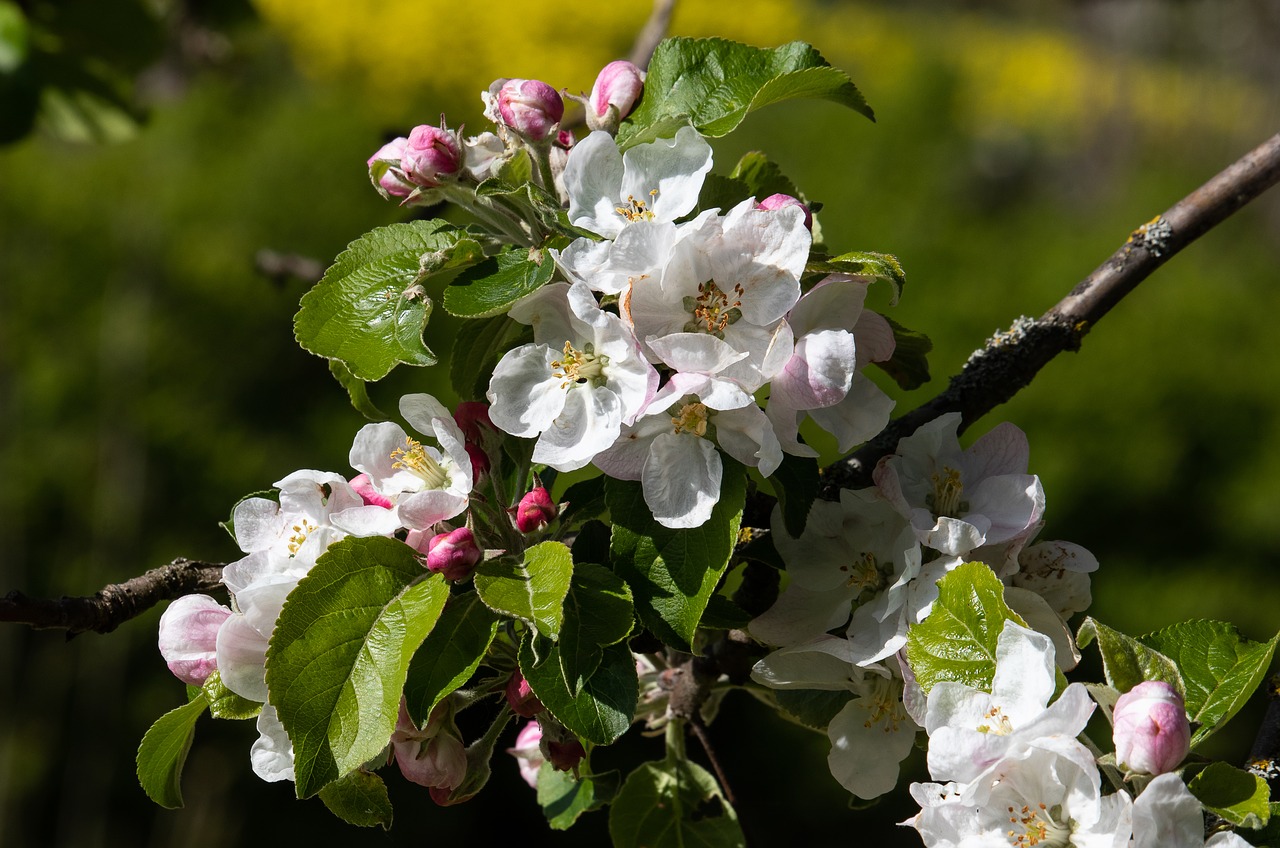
(432, 757)
(565, 139)
(782, 201)
(189, 637)
(614, 95)
(384, 169)
(565, 755)
(1152, 734)
(453, 554)
(528, 752)
(535, 511)
(431, 156)
(472, 418)
(363, 486)
(530, 107)
(521, 698)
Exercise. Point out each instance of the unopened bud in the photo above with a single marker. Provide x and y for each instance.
(530, 107)
(565, 755)
(614, 95)
(385, 171)
(521, 698)
(431, 156)
(782, 201)
(189, 637)
(454, 554)
(528, 752)
(1152, 734)
(432, 757)
(536, 510)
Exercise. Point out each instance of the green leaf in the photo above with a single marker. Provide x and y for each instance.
(450, 654)
(14, 37)
(715, 83)
(672, 573)
(369, 309)
(722, 193)
(532, 591)
(958, 639)
(1219, 667)
(598, 611)
(865, 264)
(163, 752)
(602, 708)
(476, 351)
(359, 798)
(340, 652)
(1126, 662)
(672, 804)
(796, 485)
(813, 708)
(724, 614)
(492, 286)
(762, 177)
(1241, 798)
(583, 500)
(357, 390)
(909, 365)
(564, 798)
(223, 703)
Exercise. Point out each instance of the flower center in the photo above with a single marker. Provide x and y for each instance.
(1038, 826)
(580, 366)
(947, 497)
(637, 210)
(692, 418)
(885, 705)
(998, 723)
(300, 532)
(864, 572)
(415, 459)
(712, 310)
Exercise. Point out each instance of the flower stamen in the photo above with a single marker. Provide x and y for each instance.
(580, 366)
(947, 497)
(637, 210)
(712, 310)
(692, 419)
(415, 459)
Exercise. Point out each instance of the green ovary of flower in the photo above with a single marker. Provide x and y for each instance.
(692, 418)
(580, 366)
(712, 310)
(415, 459)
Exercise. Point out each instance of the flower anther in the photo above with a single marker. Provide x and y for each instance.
(415, 459)
(1038, 826)
(692, 419)
(948, 494)
(580, 366)
(637, 210)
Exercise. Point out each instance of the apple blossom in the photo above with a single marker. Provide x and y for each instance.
(614, 94)
(520, 697)
(535, 511)
(189, 635)
(431, 757)
(430, 156)
(386, 172)
(528, 752)
(1167, 815)
(1151, 733)
(779, 201)
(530, 107)
(454, 554)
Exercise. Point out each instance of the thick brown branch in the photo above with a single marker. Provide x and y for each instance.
(1011, 360)
(107, 609)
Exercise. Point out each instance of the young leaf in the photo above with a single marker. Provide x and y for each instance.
(1126, 662)
(672, 804)
(598, 611)
(450, 654)
(532, 591)
(715, 83)
(163, 752)
(340, 652)
(492, 286)
(723, 193)
(672, 573)
(861, 263)
(1219, 667)
(1238, 796)
(476, 350)
(369, 310)
(909, 365)
(564, 798)
(958, 639)
(359, 798)
(357, 390)
(223, 703)
(602, 708)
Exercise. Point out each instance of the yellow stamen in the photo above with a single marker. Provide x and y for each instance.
(300, 532)
(691, 419)
(637, 210)
(415, 459)
(579, 366)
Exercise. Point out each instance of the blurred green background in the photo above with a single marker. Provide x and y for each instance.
(148, 375)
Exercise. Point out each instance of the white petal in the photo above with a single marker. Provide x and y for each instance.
(272, 754)
(867, 748)
(593, 180)
(674, 167)
(747, 436)
(681, 480)
(242, 659)
(860, 416)
(800, 615)
(420, 410)
(524, 394)
(1167, 815)
(590, 423)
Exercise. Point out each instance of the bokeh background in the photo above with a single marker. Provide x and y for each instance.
(148, 375)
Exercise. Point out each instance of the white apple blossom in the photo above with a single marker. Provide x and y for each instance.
(188, 637)
(577, 384)
(424, 484)
(1167, 815)
(960, 500)
(301, 521)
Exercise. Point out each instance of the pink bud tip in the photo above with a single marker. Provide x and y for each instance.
(363, 486)
(535, 511)
(453, 554)
(384, 168)
(782, 201)
(431, 156)
(1151, 734)
(521, 698)
(530, 107)
(619, 85)
(564, 755)
(189, 637)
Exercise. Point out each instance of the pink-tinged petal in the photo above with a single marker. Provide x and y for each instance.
(786, 426)
(1012, 503)
(242, 659)
(681, 480)
(819, 372)
(859, 417)
(189, 635)
(1002, 450)
(590, 423)
(874, 338)
(363, 486)
(835, 303)
(524, 395)
(422, 509)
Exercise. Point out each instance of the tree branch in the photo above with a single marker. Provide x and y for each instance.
(1011, 359)
(113, 605)
(655, 29)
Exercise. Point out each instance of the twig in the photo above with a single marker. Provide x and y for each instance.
(110, 607)
(655, 29)
(700, 731)
(1010, 360)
